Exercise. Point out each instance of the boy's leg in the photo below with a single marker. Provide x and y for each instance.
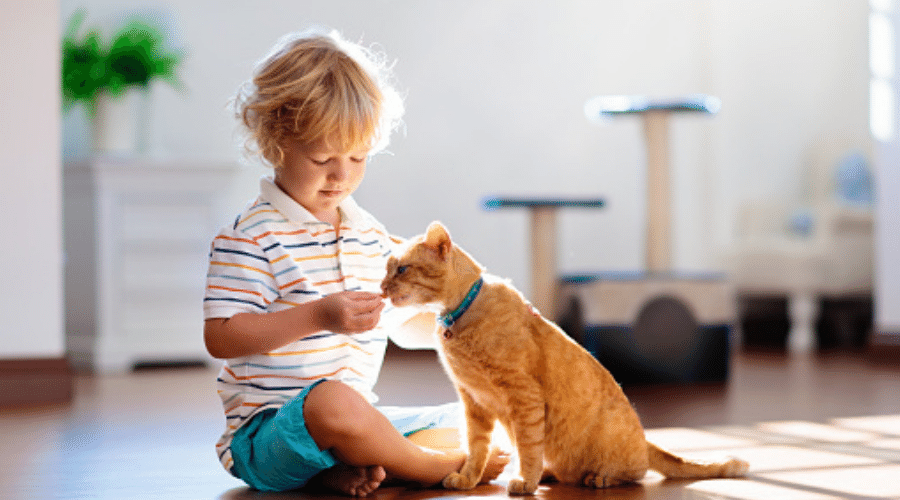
(340, 419)
(437, 439)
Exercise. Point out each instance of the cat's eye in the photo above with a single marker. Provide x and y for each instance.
(401, 269)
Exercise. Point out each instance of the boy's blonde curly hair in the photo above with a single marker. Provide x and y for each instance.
(317, 86)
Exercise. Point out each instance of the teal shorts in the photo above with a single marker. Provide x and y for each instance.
(274, 451)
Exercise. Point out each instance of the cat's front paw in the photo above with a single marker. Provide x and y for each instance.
(457, 481)
(522, 487)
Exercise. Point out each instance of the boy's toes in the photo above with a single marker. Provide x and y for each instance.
(354, 481)
(377, 473)
(374, 476)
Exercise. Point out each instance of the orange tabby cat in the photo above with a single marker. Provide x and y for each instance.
(564, 413)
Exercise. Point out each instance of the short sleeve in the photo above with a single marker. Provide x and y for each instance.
(239, 278)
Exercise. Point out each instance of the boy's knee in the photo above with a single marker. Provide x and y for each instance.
(334, 410)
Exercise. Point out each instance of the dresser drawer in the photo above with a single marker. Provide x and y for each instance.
(156, 266)
(161, 218)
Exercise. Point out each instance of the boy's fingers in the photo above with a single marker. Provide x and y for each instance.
(364, 296)
(361, 311)
(365, 322)
(376, 311)
(367, 318)
(371, 302)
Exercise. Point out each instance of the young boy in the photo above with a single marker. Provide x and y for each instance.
(292, 302)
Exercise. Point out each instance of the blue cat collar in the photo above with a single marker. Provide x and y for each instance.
(447, 320)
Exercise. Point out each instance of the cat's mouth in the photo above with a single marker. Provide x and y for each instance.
(396, 299)
(399, 300)
(391, 291)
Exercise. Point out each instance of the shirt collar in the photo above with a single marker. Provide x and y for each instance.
(295, 212)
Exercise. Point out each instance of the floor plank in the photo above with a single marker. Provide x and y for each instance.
(824, 426)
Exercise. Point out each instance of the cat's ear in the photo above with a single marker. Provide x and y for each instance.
(437, 238)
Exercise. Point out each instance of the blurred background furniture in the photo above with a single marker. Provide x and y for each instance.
(814, 250)
(652, 328)
(657, 325)
(137, 236)
(543, 212)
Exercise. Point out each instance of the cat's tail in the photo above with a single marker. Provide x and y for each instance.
(675, 467)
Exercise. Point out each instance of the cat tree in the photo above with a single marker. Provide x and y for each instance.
(657, 325)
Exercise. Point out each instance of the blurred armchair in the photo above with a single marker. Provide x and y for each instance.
(806, 252)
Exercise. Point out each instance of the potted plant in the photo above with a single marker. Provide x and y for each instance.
(112, 79)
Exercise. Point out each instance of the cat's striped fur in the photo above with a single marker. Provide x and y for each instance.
(564, 412)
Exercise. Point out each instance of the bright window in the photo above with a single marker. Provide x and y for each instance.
(882, 89)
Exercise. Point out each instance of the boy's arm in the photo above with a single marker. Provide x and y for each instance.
(248, 333)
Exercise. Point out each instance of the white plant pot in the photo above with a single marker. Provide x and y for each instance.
(119, 122)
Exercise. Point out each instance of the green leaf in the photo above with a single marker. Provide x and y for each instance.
(135, 57)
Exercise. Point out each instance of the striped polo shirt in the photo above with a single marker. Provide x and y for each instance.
(277, 255)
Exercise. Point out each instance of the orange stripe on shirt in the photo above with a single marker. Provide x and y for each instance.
(370, 230)
(313, 377)
(285, 256)
(244, 403)
(278, 233)
(367, 255)
(330, 282)
(292, 283)
(239, 290)
(241, 266)
(241, 240)
(253, 214)
(323, 349)
(315, 257)
(288, 377)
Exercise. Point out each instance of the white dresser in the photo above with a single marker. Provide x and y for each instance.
(137, 235)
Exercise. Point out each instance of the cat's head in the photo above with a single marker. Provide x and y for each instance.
(427, 272)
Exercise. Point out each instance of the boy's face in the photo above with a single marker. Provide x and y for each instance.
(320, 177)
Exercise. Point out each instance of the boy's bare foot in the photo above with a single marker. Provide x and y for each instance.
(497, 461)
(354, 481)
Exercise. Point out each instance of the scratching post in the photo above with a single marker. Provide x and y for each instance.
(659, 226)
(543, 262)
(655, 116)
(656, 325)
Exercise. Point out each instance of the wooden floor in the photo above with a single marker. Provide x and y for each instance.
(820, 427)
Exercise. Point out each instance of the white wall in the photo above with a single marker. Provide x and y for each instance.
(887, 220)
(31, 252)
(887, 249)
(495, 93)
(790, 74)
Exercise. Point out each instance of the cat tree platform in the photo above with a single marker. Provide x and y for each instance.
(657, 325)
(653, 326)
(543, 211)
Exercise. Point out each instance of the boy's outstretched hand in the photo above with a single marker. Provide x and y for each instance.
(249, 333)
(349, 312)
